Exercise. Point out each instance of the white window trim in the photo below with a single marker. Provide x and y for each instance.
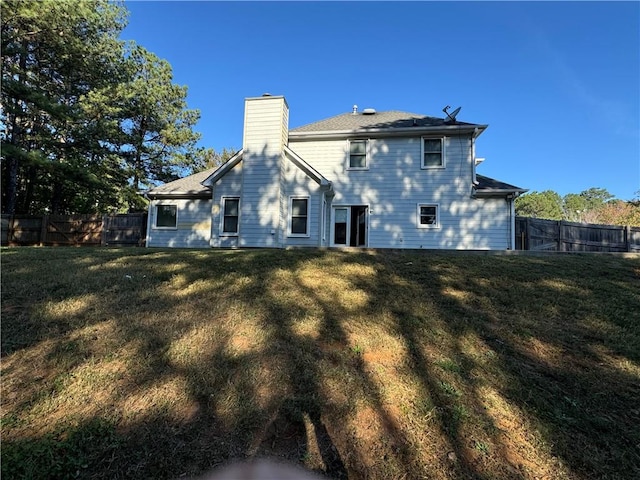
(437, 224)
(290, 216)
(223, 200)
(155, 220)
(367, 156)
(422, 152)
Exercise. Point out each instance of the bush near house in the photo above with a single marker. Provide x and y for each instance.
(151, 363)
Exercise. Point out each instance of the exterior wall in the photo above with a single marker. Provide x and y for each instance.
(230, 185)
(265, 133)
(193, 228)
(395, 184)
(296, 183)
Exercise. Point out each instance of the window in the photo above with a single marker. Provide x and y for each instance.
(166, 216)
(432, 153)
(358, 154)
(299, 219)
(428, 216)
(230, 215)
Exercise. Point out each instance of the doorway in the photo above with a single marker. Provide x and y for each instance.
(349, 226)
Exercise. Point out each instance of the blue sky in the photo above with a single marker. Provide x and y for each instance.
(558, 83)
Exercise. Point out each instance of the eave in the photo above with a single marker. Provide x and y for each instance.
(475, 130)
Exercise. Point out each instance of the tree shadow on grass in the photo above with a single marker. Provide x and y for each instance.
(213, 356)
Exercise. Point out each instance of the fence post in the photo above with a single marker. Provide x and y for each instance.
(43, 229)
(627, 238)
(561, 245)
(103, 232)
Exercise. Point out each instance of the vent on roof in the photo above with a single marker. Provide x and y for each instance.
(267, 94)
(369, 111)
(355, 109)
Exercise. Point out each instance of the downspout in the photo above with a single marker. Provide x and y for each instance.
(473, 156)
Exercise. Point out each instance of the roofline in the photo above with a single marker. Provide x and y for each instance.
(308, 169)
(178, 195)
(497, 192)
(223, 169)
(389, 132)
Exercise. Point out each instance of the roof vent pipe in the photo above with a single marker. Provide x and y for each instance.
(355, 110)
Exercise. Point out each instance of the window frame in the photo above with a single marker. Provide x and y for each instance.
(223, 203)
(422, 153)
(419, 215)
(367, 153)
(307, 216)
(165, 227)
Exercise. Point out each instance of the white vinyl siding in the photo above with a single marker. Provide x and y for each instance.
(193, 224)
(396, 182)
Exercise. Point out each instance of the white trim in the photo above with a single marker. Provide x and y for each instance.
(434, 226)
(442, 155)
(367, 153)
(155, 219)
(332, 232)
(290, 216)
(221, 231)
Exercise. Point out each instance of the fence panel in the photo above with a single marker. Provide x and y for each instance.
(21, 229)
(126, 229)
(552, 235)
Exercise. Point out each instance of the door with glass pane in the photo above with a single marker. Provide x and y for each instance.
(349, 226)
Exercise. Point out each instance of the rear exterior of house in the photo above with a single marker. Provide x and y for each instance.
(361, 179)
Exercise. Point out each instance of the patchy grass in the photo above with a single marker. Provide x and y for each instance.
(162, 363)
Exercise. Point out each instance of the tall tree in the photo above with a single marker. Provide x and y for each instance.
(53, 55)
(159, 142)
(209, 158)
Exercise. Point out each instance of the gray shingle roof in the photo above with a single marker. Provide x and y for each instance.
(489, 185)
(386, 119)
(190, 186)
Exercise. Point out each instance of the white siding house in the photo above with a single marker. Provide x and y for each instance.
(372, 179)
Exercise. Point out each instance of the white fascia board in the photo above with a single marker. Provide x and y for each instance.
(220, 172)
(385, 132)
(306, 168)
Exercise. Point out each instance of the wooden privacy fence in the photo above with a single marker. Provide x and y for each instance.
(561, 236)
(115, 230)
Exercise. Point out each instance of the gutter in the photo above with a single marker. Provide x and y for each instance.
(476, 130)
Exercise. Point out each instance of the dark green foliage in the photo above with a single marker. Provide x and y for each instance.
(88, 117)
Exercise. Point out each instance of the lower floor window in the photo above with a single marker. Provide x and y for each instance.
(166, 216)
(428, 216)
(299, 218)
(230, 215)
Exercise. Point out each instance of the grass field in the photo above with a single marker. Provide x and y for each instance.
(143, 363)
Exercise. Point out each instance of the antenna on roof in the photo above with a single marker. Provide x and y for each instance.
(451, 117)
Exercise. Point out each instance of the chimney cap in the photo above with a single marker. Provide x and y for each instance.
(266, 94)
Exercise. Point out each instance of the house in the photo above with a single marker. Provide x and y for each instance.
(360, 179)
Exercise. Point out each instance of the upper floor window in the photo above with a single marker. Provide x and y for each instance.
(358, 154)
(166, 216)
(299, 216)
(432, 152)
(428, 216)
(230, 215)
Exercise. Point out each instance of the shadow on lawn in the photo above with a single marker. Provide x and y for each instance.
(200, 390)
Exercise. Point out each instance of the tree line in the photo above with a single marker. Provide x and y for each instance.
(89, 120)
(594, 205)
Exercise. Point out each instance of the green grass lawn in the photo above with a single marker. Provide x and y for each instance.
(145, 363)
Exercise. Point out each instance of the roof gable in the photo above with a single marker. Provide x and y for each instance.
(190, 186)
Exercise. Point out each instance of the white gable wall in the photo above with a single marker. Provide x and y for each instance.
(395, 184)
